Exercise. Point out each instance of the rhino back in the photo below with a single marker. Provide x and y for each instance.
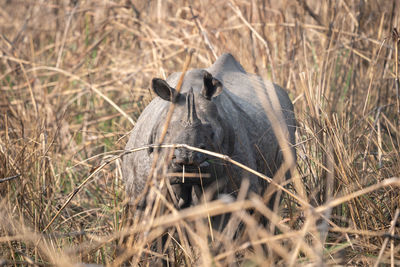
(244, 103)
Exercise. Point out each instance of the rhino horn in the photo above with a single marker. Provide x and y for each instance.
(191, 119)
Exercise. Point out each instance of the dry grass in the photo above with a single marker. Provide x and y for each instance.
(74, 79)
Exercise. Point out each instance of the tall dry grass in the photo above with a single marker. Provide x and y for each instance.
(75, 77)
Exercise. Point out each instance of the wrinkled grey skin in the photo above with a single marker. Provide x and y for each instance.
(219, 109)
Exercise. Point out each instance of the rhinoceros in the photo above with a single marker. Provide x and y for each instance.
(220, 109)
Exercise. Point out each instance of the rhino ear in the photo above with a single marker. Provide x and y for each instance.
(211, 86)
(163, 90)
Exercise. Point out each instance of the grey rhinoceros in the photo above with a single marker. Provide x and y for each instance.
(223, 109)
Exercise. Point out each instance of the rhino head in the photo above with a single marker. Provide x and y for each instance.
(195, 122)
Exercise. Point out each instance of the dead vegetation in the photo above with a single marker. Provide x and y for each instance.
(75, 77)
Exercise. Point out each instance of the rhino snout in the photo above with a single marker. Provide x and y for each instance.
(183, 156)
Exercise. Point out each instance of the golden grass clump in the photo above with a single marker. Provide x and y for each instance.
(75, 77)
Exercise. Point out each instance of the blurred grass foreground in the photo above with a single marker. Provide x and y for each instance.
(75, 76)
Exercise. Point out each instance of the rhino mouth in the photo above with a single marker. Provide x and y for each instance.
(189, 173)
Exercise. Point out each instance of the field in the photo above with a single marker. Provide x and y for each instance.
(75, 76)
